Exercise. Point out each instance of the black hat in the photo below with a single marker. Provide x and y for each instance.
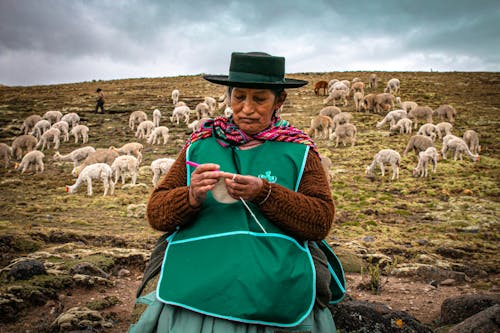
(256, 70)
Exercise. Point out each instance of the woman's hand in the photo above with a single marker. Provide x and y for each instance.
(203, 179)
(240, 186)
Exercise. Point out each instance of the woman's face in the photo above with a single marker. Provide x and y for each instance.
(254, 108)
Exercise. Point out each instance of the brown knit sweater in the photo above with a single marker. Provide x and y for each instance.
(305, 215)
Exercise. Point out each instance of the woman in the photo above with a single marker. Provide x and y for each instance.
(99, 101)
(239, 206)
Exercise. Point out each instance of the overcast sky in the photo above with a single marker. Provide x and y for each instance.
(60, 41)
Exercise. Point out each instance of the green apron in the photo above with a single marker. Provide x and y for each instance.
(225, 264)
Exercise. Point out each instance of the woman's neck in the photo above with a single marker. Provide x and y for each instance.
(250, 144)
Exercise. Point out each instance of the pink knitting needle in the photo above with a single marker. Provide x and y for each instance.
(193, 164)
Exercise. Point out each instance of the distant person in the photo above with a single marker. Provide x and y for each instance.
(99, 101)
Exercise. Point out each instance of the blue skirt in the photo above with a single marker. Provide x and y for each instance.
(159, 317)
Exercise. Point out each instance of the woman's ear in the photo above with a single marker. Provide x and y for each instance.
(280, 100)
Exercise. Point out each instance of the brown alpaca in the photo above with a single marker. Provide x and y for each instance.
(320, 85)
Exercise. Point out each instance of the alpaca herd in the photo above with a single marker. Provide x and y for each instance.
(108, 165)
(401, 121)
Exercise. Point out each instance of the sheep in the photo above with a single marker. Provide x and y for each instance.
(181, 111)
(23, 141)
(418, 143)
(76, 156)
(33, 159)
(321, 127)
(403, 125)
(175, 96)
(136, 118)
(228, 112)
(29, 123)
(157, 134)
(202, 110)
(123, 164)
(393, 86)
(63, 127)
(180, 103)
(392, 118)
(358, 87)
(460, 147)
(429, 155)
(53, 135)
(444, 127)
(429, 130)
(407, 105)
(131, 148)
(471, 138)
(99, 156)
(326, 163)
(383, 102)
(329, 111)
(358, 98)
(446, 112)
(156, 117)
(5, 153)
(40, 127)
(80, 130)
(385, 156)
(144, 129)
(420, 112)
(52, 116)
(369, 103)
(341, 118)
(159, 167)
(335, 95)
(212, 104)
(95, 171)
(344, 133)
(320, 85)
(71, 118)
(373, 81)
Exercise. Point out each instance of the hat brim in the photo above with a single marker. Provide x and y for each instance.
(224, 80)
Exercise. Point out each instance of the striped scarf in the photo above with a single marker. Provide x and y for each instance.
(228, 134)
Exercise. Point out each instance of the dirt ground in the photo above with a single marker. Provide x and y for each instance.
(449, 219)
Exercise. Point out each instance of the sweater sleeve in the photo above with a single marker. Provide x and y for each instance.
(168, 206)
(305, 214)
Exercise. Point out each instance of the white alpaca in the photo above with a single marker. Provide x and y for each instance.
(157, 134)
(71, 118)
(385, 156)
(97, 171)
(123, 165)
(181, 111)
(29, 123)
(40, 127)
(64, 128)
(33, 159)
(160, 167)
(156, 117)
(80, 130)
(52, 135)
(175, 96)
(144, 129)
(403, 125)
(52, 116)
(136, 117)
(429, 155)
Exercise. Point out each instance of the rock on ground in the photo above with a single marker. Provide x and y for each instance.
(485, 321)
(458, 308)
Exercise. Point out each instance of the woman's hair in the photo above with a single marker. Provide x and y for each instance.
(276, 92)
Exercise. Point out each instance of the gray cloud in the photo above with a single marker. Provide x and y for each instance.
(66, 41)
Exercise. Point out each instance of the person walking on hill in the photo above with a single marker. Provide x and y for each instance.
(99, 101)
